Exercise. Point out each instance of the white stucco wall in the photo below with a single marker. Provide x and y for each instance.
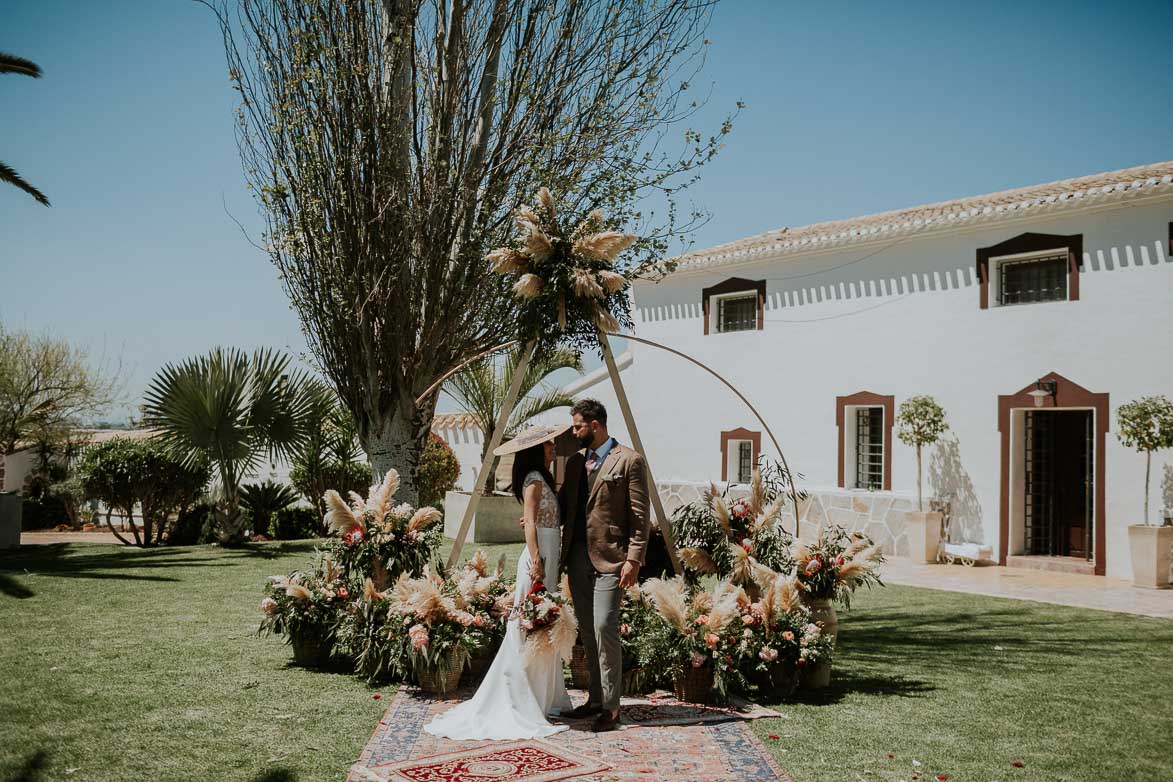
(903, 318)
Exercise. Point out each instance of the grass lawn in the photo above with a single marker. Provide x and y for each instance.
(129, 665)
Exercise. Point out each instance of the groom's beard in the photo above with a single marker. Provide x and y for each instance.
(585, 442)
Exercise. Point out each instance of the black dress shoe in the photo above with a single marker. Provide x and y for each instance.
(585, 710)
(605, 722)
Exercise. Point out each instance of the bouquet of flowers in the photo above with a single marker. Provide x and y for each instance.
(728, 537)
(487, 594)
(695, 629)
(778, 636)
(836, 564)
(547, 622)
(306, 607)
(379, 539)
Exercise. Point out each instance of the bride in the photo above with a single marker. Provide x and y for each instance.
(516, 695)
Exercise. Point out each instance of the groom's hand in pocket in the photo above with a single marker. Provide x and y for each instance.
(629, 575)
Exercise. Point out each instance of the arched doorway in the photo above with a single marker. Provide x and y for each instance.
(1052, 474)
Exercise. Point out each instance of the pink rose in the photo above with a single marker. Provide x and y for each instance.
(418, 634)
(747, 619)
(768, 654)
(813, 566)
(703, 619)
(789, 636)
(478, 621)
(269, 606)
(711, 640)
(625, 629)
(344, 593)
(839, 560)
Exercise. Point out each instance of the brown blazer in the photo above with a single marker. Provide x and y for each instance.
(616, 508)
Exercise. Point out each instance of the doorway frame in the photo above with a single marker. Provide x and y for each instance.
(1068, 395)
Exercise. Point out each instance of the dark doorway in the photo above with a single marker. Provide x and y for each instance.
(1059, 483)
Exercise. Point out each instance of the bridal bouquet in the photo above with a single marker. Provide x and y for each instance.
(547, 622)
(835, 564)
(379, 539)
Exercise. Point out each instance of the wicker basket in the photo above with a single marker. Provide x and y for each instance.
(695, 685)
(580, 670)
(432, 680)
(778, 681)
(311, 650)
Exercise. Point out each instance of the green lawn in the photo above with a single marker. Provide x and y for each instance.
(129, 665)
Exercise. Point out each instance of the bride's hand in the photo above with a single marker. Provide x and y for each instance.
(537, 572)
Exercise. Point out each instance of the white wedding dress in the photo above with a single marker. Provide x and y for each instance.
(513, 701)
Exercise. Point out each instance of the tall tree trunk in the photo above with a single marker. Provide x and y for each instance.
(1148, 464)
(920, 501)
(399, 445)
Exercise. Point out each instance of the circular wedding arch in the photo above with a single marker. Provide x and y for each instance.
(511, 399)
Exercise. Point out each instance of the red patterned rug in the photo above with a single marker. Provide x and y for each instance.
(512, 761)
(662, 740)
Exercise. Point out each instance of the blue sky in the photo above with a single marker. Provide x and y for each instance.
(851, 108)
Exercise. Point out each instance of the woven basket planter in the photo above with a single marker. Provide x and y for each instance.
(580, 670)
(695, 685)
(779, 680)
(818, 675)
(311, 650)
(433, 680)
(479, 664)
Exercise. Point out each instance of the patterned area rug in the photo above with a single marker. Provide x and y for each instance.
(662, 740)
(500, 761)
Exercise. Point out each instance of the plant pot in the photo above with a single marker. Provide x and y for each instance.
(778, 680)
(924, 535)
(580, 670)
(1150, 548)
(815, 677)
(635, 681)
(823, 614)
(435, 680)
(478, 665)
(695, 685)
(311, 650)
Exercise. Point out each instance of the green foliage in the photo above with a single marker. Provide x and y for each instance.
(344, 477)
(329, 456)
(306, 603)
(230, 411)
(920, 421)
(192, 526)
(10, 63)
(123, 473)
(1146, 424)
(836, 564)
(71, 492)
(44, 513)
(297, 523)
(438, 471)
(262, 501)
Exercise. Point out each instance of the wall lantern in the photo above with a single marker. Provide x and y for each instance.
(1044, 389)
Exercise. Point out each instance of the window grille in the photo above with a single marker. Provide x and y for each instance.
(869, 448)
(738, 313)
(744, 461)
(1033, 279)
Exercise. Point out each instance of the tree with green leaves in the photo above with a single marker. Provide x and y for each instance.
(480, 390)
(388, 142)
(230, 411)
(123, 473)
(264, 501)
(10, 63)
(1146, 424)
(920, 422)
(329, 457)
(48, 386)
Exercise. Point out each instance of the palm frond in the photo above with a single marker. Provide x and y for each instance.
(9, 175)
(10, 63)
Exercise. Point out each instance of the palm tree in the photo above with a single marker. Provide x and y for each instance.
(230, 411)
(480, 390)
(10, 63)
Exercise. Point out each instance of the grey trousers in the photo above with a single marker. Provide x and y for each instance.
(596, 599)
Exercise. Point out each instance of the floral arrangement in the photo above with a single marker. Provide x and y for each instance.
(836, 564)
(547, 622)
(728, 537)
(568, 275)
(378, 539)
(778, 631)
(487, 594)
(636, 614)
(304, 604)
(440, 626)
(694, 628)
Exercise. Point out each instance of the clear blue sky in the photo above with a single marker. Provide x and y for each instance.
(852, 108)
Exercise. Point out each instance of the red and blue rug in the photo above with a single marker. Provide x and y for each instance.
(662, 740)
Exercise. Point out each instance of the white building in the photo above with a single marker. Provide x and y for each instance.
(1065, 287)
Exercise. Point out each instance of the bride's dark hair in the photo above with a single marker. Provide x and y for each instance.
(532, 459)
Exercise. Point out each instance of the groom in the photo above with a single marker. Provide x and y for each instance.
(604, 501)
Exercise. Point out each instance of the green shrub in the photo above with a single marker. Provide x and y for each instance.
(262, 501)
(44, 513)
(297, 523)
(438, 471)
(192, 526)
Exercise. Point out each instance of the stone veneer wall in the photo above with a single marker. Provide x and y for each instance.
(877, 514)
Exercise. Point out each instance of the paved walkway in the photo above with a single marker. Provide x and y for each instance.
(45, 538)
(1106, 594)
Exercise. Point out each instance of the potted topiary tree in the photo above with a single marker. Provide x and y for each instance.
(921, 422)
(1146, 424)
